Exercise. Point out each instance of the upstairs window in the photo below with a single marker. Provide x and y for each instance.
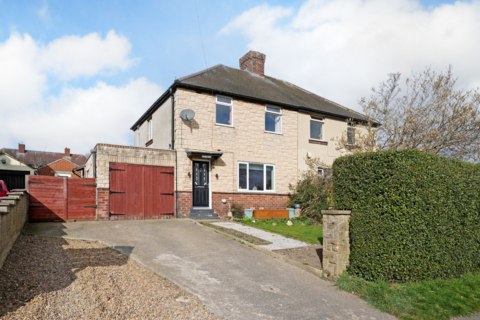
(150, 129)
(224, 111)
(351, 134)
(316, 128)
(273, 119)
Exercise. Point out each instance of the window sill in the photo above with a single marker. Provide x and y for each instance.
(280, 134)
(256, 191)
(224, 125)
(149, 143)
(320, 142)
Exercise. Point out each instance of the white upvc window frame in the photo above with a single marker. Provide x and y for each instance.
(319, 120)
(150, 129)
(264, 177)
(320, 171)
(223, 104)
(351, 126)
(61, 175)
(279, 113)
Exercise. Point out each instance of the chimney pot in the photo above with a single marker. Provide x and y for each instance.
(254, 62)
(67, 152)
(21, 148)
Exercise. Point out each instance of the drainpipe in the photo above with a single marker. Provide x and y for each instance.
(173, 119)
(173, 148)
(94, 155)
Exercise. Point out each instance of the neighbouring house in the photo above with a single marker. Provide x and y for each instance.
(229, 136)
(13, 171)
(44, 162)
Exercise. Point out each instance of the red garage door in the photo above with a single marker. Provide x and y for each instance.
(61, 199)
(141, 192)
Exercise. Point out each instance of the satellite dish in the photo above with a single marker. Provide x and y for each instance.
(187, 114)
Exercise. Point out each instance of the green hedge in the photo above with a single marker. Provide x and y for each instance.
(416, 216)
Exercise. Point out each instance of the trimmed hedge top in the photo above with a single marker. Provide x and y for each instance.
(415, 215)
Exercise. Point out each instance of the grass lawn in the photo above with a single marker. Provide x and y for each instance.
(432, 299)
(301, 228)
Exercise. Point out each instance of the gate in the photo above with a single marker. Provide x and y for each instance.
(61, 199)
(141, 192)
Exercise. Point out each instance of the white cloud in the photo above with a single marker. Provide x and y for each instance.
(76, 118)
(341, 48)
(43, 11)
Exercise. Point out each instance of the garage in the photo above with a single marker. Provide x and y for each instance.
(141, 191)
(14, 179)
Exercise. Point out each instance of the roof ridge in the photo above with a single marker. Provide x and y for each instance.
(199, 73)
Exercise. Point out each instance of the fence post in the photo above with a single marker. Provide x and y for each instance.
(336, 242)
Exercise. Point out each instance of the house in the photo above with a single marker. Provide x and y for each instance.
(13, 171)
(247, 140)
(41, 163)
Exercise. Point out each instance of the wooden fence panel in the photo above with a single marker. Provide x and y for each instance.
(61, 199)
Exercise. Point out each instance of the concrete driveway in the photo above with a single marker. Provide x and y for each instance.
(233, 280)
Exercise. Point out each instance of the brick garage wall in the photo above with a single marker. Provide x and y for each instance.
(62, 166)
(102, 206)
(248, 200)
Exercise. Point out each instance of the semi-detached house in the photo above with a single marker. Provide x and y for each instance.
(248, 139)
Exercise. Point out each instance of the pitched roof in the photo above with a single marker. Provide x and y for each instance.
(225, 80)
(45, 157)
(9, 155)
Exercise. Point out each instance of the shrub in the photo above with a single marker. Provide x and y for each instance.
(237, 211)
(415, 215)
(312, 192)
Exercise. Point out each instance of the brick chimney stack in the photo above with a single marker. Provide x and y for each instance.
(67, 152)
(254, 62)
(21, 148)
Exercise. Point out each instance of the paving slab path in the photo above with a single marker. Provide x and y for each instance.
(278, 241)
(233, 280)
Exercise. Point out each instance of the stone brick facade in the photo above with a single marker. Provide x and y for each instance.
(336, 242)
(60, 166)
(13, 216)
(245, 141)
(107, 153)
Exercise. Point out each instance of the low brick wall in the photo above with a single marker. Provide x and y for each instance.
(13, 216)
(254, 201)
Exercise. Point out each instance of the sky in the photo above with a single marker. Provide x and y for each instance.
(76, 73)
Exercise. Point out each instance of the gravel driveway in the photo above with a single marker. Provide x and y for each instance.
(54, 278)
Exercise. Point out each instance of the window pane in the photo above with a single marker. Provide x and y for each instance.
(273, 123)
(224, 100)
(272, 109)
(270, 178)
(351, 135)
(242, 176)
(224, 114)
(320, 172)
(315, 130)
(255, 177)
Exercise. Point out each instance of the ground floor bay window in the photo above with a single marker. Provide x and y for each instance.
(256, 177)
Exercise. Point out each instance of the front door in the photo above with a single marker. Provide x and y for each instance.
(201, 184)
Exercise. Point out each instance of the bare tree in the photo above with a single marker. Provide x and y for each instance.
(431, 116)
(38, 160)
